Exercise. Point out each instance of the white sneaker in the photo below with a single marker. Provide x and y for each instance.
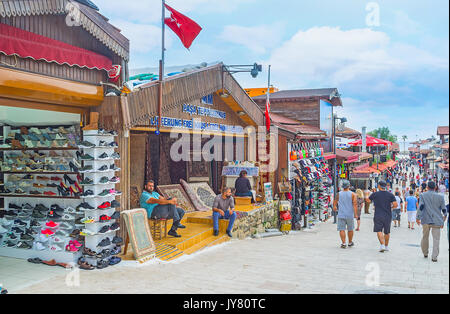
(39, 246)
(387, 249)
(70, 210)
(55, 248)
(382, 249)
(42, 238)
(35, 130)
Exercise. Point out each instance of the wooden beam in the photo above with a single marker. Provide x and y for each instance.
(41, 106)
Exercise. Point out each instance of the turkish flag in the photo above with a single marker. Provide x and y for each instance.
(268, 116)
(185, 28)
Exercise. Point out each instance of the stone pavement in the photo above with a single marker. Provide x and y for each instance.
(302, 262)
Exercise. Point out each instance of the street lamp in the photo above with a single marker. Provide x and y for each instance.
(343, 120)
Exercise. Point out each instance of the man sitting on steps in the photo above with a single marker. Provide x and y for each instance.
(160, 208)
(223, 208)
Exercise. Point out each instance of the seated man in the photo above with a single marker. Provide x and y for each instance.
(161, 208)
(243, 186)
(223, 208)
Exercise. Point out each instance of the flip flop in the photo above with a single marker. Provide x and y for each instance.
(64, 265)
(35, 260)
(50, 263)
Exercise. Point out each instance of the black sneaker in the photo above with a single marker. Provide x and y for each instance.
(85, 206)
(86, 144)
(87, 181)
(113, 145)
(54, 215)
(114, 226)
(174, 234)
(26, 237)
(10, 213)
(41, 208)
(17, 230)
(117, 240)
(86, 169)
(115, 204)
(10, 244)
(14, 206)
(104, 242)
(19, 222)
(86, 157)
(104, 168)
(35, 223)
(102, 144)
(229, 234)
(104, 180)
(116, 215)
(114, 167)
(26, 206)
(37, 214)
(105, 229)
(88, 193)
(24, 245)
(216, 233)
(103, 156)
(57, 208)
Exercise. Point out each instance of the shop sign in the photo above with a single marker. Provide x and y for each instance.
(204, 112)
(195, 124)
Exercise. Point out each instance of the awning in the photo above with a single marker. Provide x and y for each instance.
(346, 156)
(329, 156)
(371, 141)
(16, 41)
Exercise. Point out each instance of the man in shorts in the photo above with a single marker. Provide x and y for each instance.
(383, 202)
(346, 206)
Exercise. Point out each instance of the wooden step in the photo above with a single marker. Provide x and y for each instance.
(246, 201)
(208, 242)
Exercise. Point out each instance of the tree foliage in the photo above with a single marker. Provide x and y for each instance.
(385, 134)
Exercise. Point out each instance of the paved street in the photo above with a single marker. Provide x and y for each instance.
(302, 262)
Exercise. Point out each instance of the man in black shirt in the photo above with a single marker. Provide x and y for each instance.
(384, 201)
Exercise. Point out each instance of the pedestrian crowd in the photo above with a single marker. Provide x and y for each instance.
(418, 193)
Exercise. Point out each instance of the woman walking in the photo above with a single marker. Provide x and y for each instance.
(360, 202)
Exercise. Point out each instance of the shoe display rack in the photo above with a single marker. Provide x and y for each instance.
(39, 192)
(54, 198)
(100, 198)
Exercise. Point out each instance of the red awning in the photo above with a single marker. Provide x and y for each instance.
(16, 41)
(371, 141)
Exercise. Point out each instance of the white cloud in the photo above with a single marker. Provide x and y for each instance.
(359, 59)
(257, 39)
(404, 25)
(143, 38)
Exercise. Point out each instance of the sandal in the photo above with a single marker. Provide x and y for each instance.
(343, 246)
(35, 260)
(85, 265)
(89, 252)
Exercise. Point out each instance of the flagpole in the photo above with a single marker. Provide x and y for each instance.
(161, 67)
(268, 91)
(163, 27)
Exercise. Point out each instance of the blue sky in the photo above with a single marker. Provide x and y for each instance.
(389, 59)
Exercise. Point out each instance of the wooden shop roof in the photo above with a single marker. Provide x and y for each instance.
(187, 87)
(91, 20)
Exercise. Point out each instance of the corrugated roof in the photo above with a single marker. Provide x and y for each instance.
(325, 93)
(443, 130)
(296, 126)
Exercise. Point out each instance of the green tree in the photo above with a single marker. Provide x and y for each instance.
(385, 134)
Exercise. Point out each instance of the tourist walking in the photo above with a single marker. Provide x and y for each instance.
(384, 201)
(412, 204)
(430, 216)
(397, 212)
(345, 205)
(360, 202)
(366, 203)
